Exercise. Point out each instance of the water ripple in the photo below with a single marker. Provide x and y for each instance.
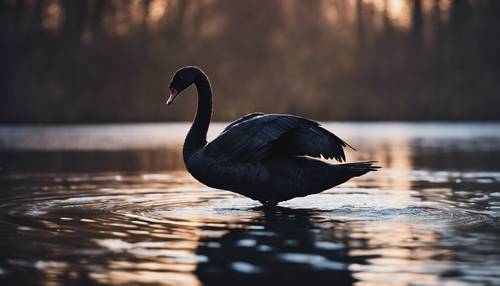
(121, 228)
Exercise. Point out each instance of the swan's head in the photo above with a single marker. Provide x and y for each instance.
(181, 80)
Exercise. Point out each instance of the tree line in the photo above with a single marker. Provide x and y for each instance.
(73, 61)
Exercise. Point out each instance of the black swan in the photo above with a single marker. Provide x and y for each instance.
(266, 157)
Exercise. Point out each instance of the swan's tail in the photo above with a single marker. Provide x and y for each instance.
(359, 168)
(320, 179)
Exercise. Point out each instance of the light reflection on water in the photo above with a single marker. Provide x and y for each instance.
(129, 214)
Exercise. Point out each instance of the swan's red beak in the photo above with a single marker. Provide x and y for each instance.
(173, 95)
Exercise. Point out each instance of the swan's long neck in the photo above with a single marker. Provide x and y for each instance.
(197, 135)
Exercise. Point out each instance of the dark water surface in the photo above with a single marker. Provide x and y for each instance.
(112, 205)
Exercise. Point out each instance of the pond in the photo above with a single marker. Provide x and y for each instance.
(113, 205)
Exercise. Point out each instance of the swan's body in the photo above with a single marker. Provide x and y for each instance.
(261, 156)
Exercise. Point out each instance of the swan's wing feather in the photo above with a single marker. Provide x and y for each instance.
(244, 118)
(310, 139)
(251, 140)
(258, 136)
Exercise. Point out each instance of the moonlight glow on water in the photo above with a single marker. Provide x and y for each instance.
(111, 205)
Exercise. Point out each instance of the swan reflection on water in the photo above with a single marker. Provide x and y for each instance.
(281, 247)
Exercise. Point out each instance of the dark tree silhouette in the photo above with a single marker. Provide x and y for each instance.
(100, 61)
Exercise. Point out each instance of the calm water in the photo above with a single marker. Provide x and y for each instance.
(112, 205)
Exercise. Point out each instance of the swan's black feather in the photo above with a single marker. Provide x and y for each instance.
(255, 137)
(244, 118)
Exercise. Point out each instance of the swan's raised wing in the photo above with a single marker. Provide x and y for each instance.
(257, 137)
(244, 118)
(310, 139)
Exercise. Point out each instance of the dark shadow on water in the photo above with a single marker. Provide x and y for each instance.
(282, 247)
